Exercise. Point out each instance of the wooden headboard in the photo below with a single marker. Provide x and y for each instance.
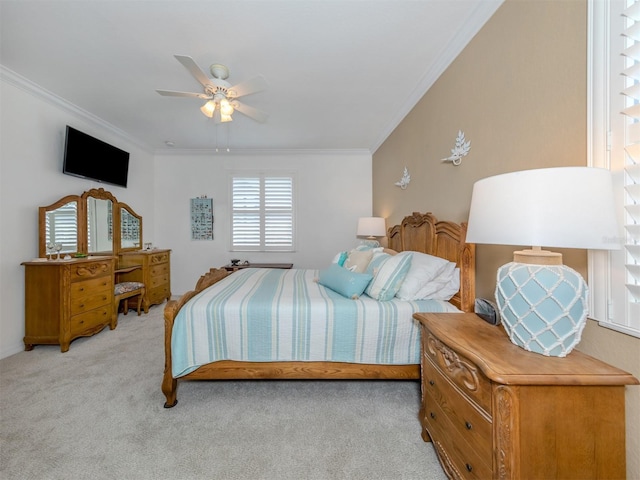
(424, 233)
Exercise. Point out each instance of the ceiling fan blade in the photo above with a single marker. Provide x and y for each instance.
(251, 112)
(248, 87)
(194, 69)
(172, 93)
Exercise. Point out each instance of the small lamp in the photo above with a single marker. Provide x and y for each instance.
(543, 303)
(371, 227)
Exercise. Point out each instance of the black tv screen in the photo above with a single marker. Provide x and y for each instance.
(88, 157)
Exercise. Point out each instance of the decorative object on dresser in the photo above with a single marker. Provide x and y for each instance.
(543, 303)
(154, 273)
(310, 325)
(67, 299)
(493, 410)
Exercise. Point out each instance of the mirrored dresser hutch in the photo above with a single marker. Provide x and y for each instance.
(87, 244)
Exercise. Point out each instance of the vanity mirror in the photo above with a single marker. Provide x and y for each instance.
(91, 223)
(58, 224)
(100, 220)
(130, 229)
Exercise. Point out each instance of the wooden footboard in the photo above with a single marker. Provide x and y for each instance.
(228, 369)
(170, 384)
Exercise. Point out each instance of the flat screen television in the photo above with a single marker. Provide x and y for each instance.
(88, 157)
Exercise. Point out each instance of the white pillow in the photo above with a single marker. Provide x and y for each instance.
(450, 289)
(440, 287)
(424, 269)
(389, 276)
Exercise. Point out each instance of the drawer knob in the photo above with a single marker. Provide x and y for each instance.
(432, 383)
(432, 415)
(468, 425)
(469, 467)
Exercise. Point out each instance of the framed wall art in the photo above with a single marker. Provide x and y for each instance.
(202, 218)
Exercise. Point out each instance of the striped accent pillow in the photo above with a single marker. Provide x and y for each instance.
(389, 276)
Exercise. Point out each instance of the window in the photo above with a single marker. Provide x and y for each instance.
(263, 214)
(614, 143)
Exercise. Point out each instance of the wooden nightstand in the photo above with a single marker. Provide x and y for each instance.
(494, 410)
(233, 268)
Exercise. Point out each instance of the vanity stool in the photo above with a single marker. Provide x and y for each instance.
(124, 291)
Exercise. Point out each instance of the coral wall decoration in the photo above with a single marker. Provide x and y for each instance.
(404, 181)
(460, 150)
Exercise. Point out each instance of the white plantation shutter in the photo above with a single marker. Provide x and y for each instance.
(278, 208)
(246, 212)
(262, 217)
(614, 143)
(631, 165)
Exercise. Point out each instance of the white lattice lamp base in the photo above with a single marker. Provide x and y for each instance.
(543, 307)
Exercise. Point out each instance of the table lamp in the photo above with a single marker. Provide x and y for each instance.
(543, 303)
(371, 227)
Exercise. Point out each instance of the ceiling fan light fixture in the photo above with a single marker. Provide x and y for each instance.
(225, 107)
(208, 108)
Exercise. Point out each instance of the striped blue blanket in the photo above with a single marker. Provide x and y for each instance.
(267, 315)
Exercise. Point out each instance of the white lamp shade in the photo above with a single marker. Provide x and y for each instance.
(564, 207)
(371, 227)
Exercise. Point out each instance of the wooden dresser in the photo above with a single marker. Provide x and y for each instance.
(494, 410)
(66, 299)
(155, 273)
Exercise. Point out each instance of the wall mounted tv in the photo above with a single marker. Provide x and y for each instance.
(88, 157)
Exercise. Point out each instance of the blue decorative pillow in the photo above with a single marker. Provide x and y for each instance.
(389, 276)
(346, 283)
(340, 258)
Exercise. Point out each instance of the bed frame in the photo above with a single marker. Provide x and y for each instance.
(418, 232)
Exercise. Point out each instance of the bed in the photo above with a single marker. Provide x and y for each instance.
(221, 331)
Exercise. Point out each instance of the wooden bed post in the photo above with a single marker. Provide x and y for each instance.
(169, 384)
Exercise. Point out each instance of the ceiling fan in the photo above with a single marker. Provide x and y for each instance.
(220, 95)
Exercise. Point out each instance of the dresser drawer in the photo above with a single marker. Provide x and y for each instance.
(453, 447)
(466, 418)
(158, 294)
(88, 320)
(159, 270)
(157, 258)
(96, 285)
(461, 371)
(90, 301)
(158, 281)
(83, 271)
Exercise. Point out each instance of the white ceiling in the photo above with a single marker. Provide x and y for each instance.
(342, 74)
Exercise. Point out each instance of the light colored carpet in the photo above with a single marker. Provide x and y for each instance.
(96, 412)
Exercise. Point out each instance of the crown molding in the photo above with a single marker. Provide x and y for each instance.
(36, 90)
(475, 21)
(259, 151)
